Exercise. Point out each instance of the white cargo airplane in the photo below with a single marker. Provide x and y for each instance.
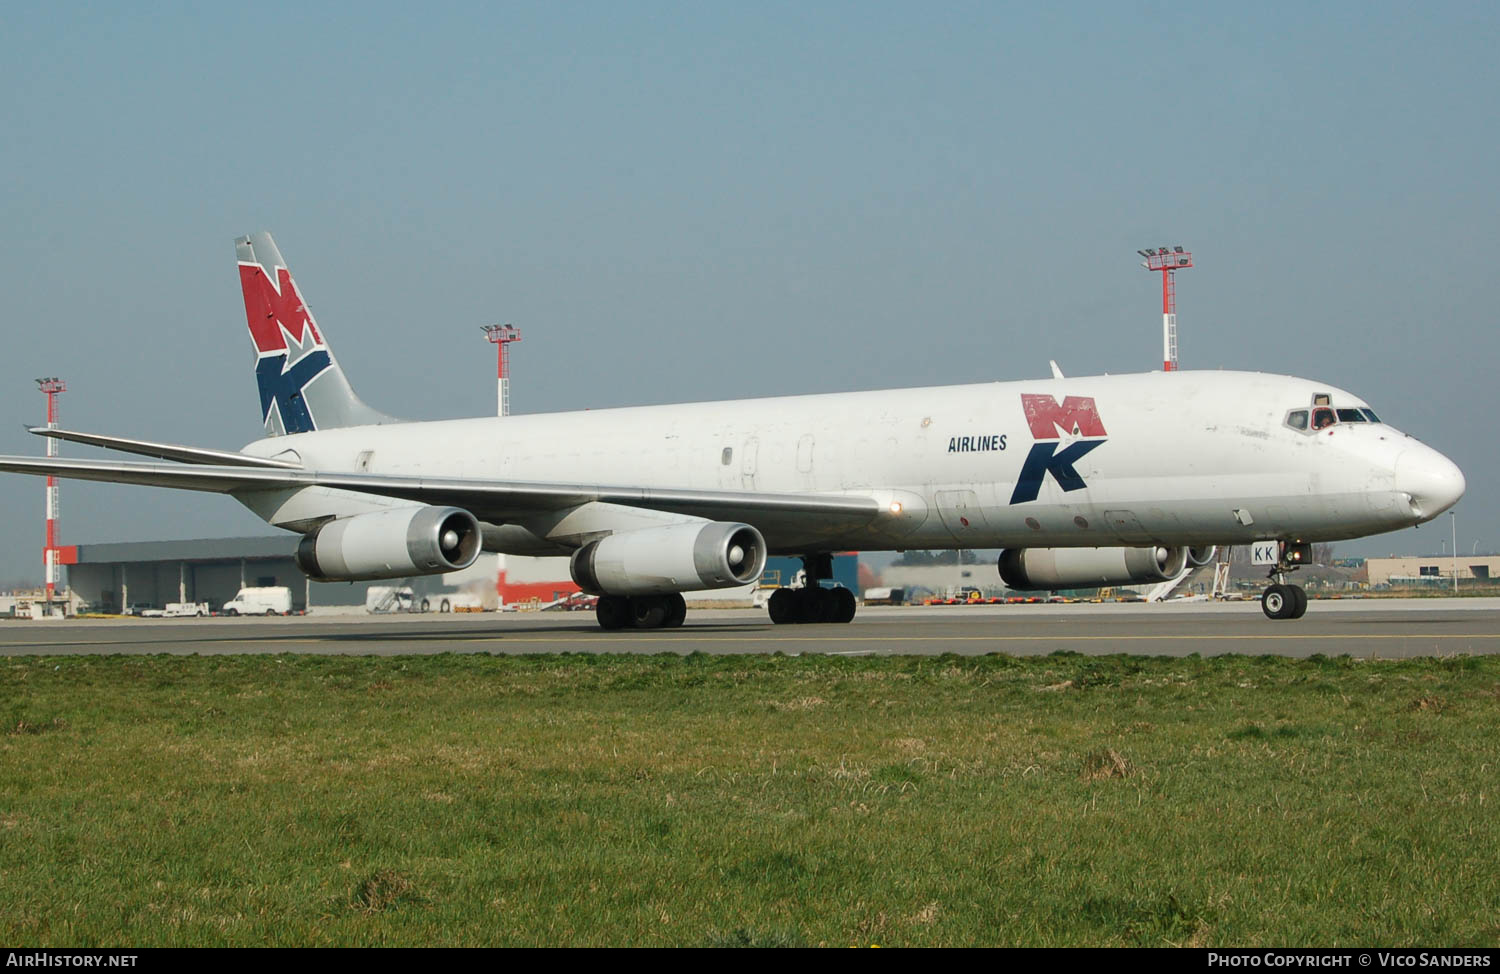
(1115, 479)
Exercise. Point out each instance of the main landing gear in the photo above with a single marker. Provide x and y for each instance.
(812, 602)
(641, 611)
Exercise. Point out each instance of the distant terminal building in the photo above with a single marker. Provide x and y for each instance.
(1416, 569)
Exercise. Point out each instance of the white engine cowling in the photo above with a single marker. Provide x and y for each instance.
(673, 558)
(1057, 568)
(1200, 555)
(391, 544)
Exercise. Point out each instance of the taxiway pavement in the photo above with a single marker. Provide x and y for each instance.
(1365, 628)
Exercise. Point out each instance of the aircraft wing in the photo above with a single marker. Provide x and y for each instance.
(488, 500)
(164, 451)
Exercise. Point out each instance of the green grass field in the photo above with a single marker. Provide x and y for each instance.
(748, 800)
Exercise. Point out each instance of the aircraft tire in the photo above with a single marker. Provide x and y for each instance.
(782, 606)
(1278, 602)
(844, 605)
(676, 610)
(648, 611)
(1299, 596)
(829, 604)
(613, 612)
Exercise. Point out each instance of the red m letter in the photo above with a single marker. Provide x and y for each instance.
(1049, 421)
(264, 307)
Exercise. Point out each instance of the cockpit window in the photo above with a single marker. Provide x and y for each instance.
(1351, 416)
(1370, 415)
(1322, 417)
(1297, 419)
(1321, 399)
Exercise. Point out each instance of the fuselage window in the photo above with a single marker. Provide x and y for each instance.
(1322, 417)
(727, 457)
(1321, 399)
(1351, 416)
(1297, 419)
(1370, 415)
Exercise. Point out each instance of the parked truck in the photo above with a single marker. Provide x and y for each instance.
(178, 610)
(268, 600)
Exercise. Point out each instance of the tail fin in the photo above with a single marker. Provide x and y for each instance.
(302, 387)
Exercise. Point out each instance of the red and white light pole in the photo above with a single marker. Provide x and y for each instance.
(53, 387)
(502, 336)
(1168, 261)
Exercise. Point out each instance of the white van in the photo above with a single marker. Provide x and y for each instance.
(269, 600)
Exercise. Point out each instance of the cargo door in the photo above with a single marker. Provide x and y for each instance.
(749, 457)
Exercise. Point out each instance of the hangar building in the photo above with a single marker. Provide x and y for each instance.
(110, 577)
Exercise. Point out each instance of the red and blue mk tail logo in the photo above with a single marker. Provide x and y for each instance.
(290, 351)
(1076, 417)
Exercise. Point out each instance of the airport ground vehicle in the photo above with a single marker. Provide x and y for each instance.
(178, 610)
(267, 600)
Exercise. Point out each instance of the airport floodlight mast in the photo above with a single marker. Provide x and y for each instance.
(1168, 260)
(53, 387)
(502, 336)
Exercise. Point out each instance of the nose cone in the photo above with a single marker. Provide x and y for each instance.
(1432, 481)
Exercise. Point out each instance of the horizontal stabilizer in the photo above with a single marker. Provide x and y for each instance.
(163, 451)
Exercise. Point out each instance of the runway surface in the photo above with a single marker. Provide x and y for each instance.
(1374, 628)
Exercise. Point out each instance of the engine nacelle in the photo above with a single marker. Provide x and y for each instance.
(1056, 568)
(1200, 555)
(672, 558)
(390, 544)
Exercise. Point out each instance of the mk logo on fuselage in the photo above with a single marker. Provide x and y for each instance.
(290, 351)
(1049, 421)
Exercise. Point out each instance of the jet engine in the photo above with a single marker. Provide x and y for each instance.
(673, 558)
(390, 544)
(1200, 555)
(1055, 568)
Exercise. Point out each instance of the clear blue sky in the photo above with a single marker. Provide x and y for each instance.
(695, 201)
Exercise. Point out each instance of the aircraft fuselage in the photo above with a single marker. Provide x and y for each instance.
(1179, 458)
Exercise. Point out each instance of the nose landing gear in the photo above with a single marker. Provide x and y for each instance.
(1283, 601)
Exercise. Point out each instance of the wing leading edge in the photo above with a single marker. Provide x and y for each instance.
(163, 451)
(493, 501)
